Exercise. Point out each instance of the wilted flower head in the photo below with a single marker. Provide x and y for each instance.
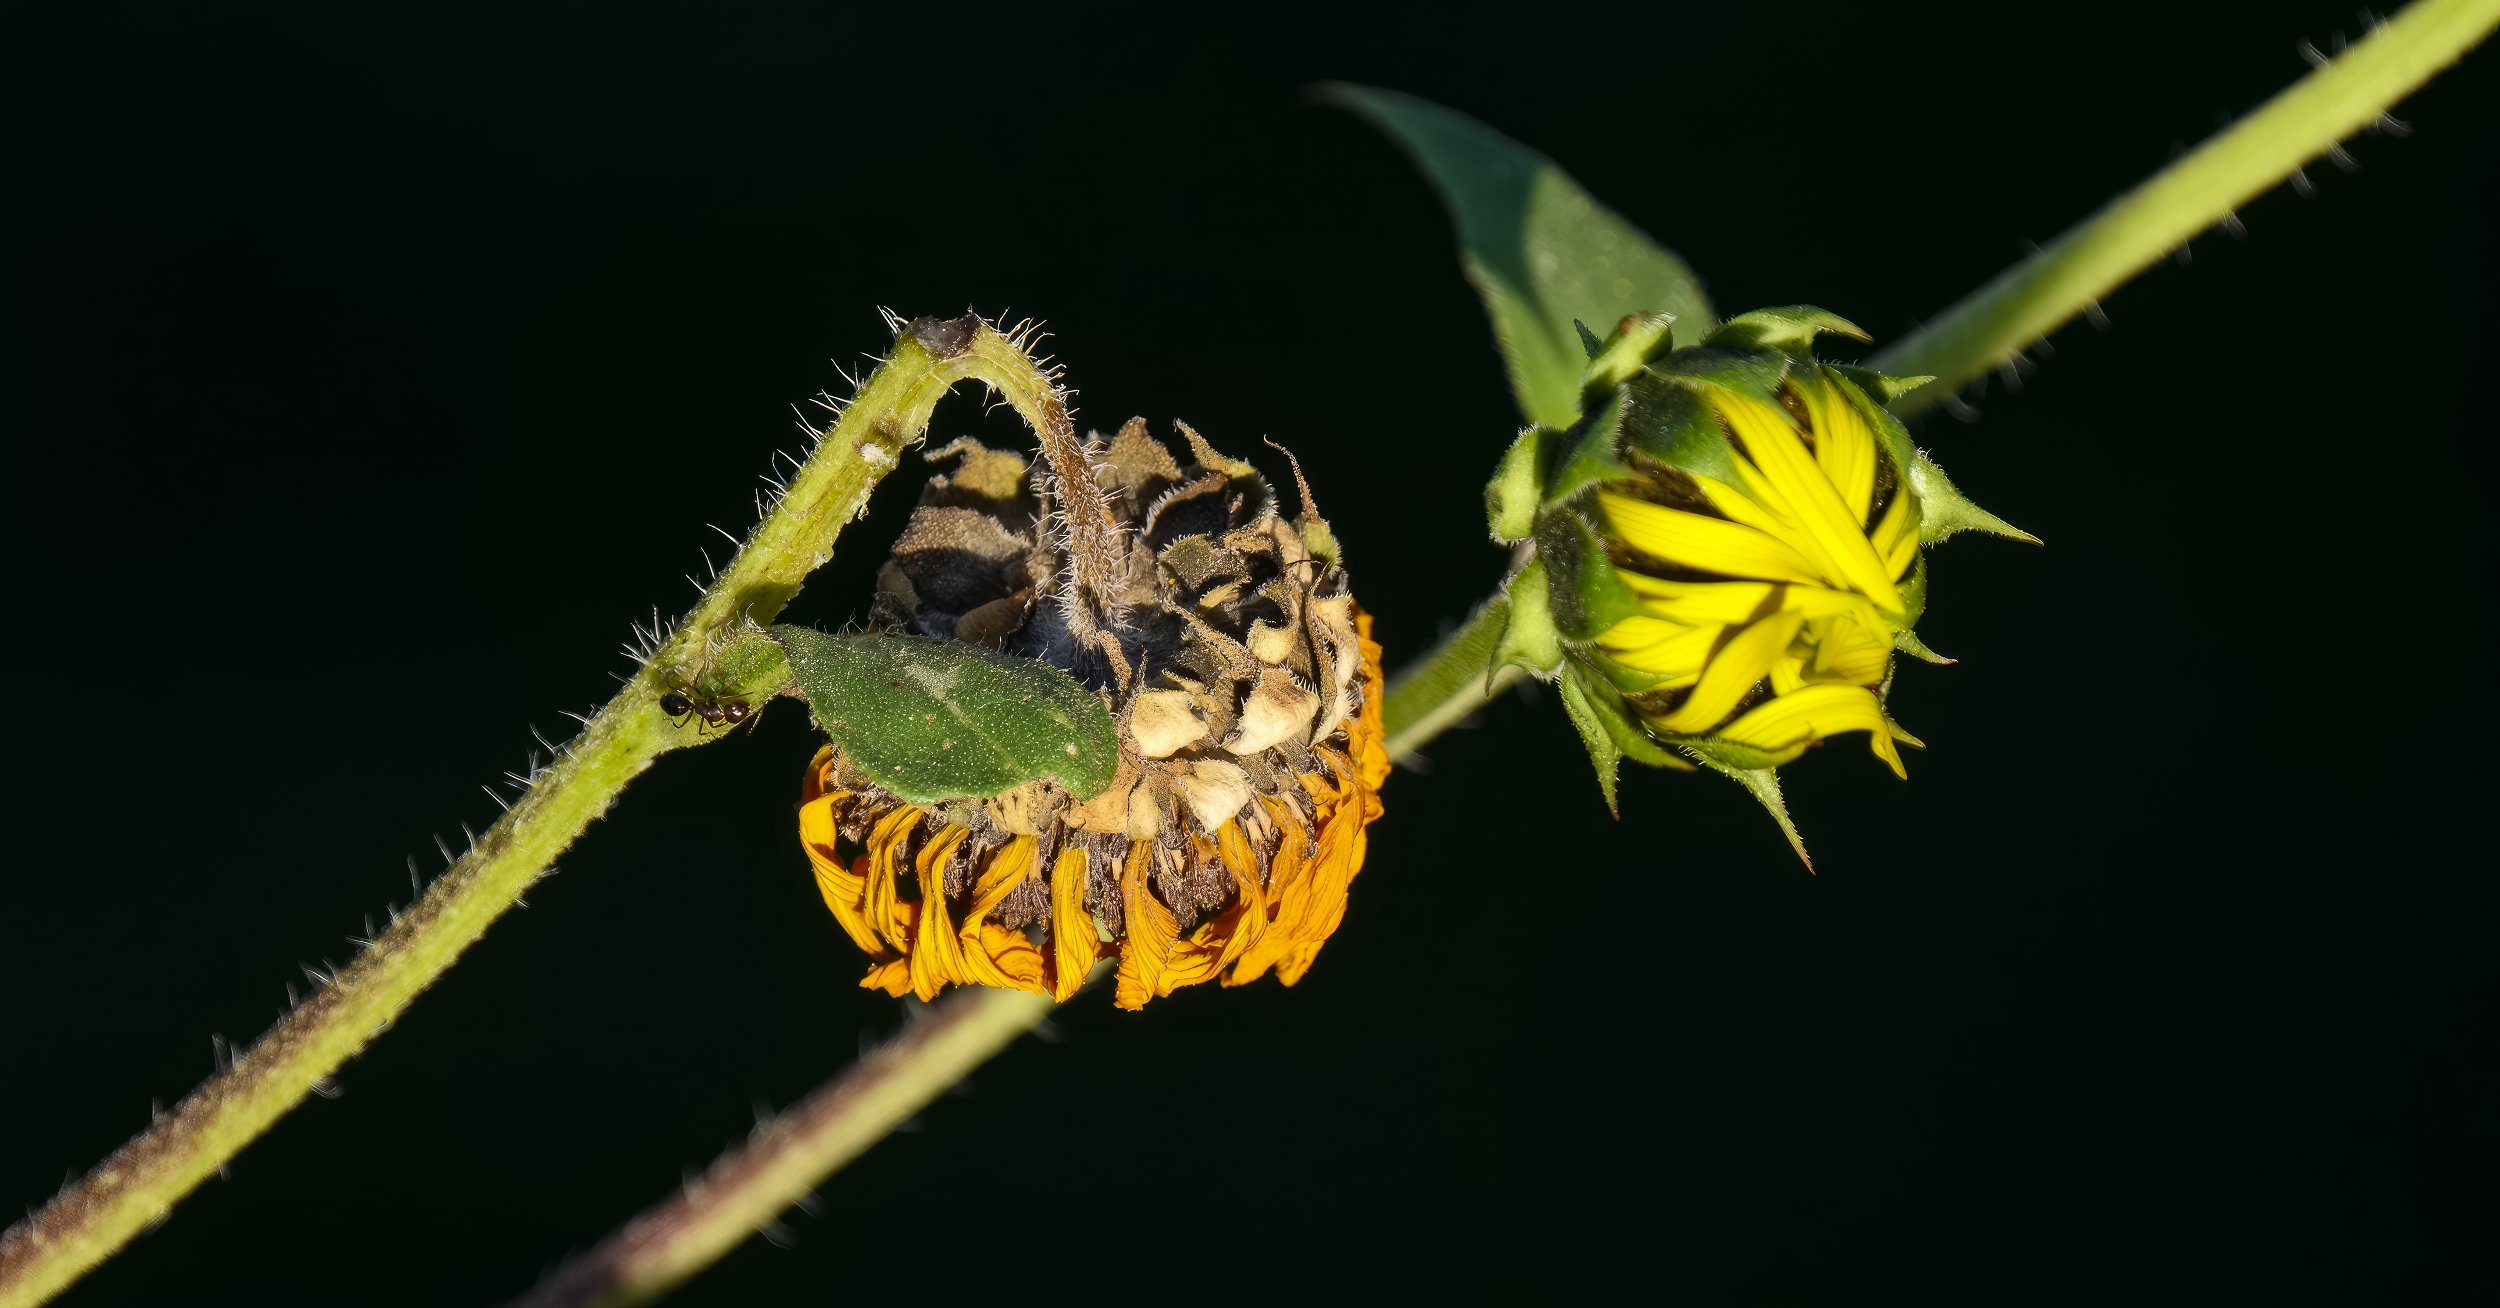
(1729, 546)
(1245, 691)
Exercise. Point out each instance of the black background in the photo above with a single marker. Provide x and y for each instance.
(382, 369)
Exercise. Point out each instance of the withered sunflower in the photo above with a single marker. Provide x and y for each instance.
(1246, 691)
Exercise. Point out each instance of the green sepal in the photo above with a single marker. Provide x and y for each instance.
(1591, 458)
(1790, 330)
(1907, 642)
(1587, 598)
(1883, 386)
(1588, 339)
(933, 720)
(1914, 592)
(1667, 422)
(1528, 639)
(1757, 373)
(1604, 755)
(1914, 606)
(1638, 338)
(1763, 783)
(1608, 730)
(1944, 511)
(1518, 486)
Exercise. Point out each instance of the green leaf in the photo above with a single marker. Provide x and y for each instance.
(1540, 251)
(933, 720)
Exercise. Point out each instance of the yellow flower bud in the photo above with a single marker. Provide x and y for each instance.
(1728, 548)
(1768, 598)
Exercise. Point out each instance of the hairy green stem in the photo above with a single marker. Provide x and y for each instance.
(791, 1158)
(754, 1184)
(87, 1222)
(140, 1183)
(2202, 188)
(1439, 691)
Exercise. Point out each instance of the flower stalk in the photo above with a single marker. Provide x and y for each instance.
(789, 1157)
(136, 1187)
(2340, 97)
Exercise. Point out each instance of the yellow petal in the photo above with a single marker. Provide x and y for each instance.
(1762, 506)
(894, 977)
(1011, 956)
(937, 957)
(1852, 652)
(1288, 897)
(1675, 652)
(1074, 943)
(1844, 445)
(995, 955)
(885, 841)
(1703, 603)
(1150, 932)
(1009, 865)
(1896, 537)
(1702, 543)
(1249, 914)
(1775, 448)
(1732, 602)
(1787, 674)
(1813, 713)
(1332, 868)
(1746, 659)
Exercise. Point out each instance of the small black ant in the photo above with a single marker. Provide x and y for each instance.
(727, 712)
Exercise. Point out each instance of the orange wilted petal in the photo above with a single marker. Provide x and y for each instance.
(1075, 945)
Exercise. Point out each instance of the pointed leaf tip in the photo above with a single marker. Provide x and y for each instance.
(1541, 251)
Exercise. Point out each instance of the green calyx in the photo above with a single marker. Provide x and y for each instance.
(1651, 423)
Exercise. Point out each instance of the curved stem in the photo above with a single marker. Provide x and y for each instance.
(2035, 297)
(753, 1184)
(140, 1183)
(1441, 689)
